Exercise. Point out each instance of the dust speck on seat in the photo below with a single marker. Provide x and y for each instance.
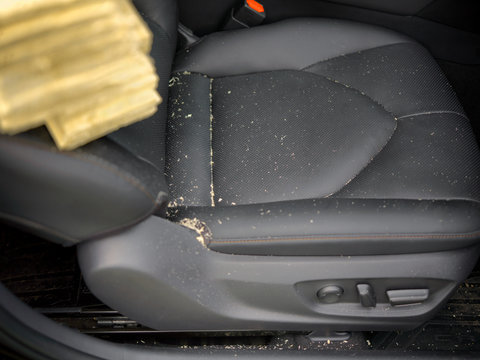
(204, 235)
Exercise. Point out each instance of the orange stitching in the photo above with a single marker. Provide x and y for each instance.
(92, 160)
(351, 238)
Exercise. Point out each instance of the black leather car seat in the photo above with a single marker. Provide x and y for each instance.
(340, 142)
(357, 116)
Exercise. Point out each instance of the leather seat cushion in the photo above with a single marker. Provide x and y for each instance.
(281, 135)
(317, 109)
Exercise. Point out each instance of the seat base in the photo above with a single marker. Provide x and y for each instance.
(158, 274)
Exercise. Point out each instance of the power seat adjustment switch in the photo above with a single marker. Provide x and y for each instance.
(366, 295)
(407, 296)
(330, 294)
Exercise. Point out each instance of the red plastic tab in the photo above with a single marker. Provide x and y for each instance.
(255, 5)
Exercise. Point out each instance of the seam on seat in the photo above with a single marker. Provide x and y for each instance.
(384, 145)
(92, 159)
(368, 163)
(396, 125)
(355, 89)
(356, 52)
(212, 192)
(352, 237)
(131, 180)
(306, 68)
(127, 150)
(434, 112)
(315, 74)
(477, 202)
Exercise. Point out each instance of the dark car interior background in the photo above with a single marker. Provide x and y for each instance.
(308, 183)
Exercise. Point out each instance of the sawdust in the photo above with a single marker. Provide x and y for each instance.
(204, 235)
(212, 193)
(174, 80)
(176, 202)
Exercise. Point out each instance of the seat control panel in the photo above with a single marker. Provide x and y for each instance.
(375, 298)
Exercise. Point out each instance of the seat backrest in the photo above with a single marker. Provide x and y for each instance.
(104, 186)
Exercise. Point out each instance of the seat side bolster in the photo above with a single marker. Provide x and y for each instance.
(69, 197)
(340, 226)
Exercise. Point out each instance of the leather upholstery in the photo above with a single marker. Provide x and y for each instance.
(287, 45)
(72, 196)
(340, 226)
(301, 132)
(188, 133)
(432, 156)
(404, 78)
(288, 135)
(382, 207)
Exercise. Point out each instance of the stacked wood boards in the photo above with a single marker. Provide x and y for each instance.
(79, 67)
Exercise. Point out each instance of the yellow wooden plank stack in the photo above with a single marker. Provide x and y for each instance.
(80, 67)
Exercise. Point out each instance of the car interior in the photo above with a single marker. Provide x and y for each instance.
(310, 183)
